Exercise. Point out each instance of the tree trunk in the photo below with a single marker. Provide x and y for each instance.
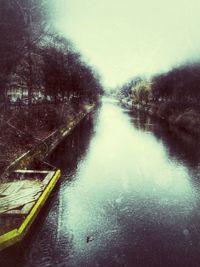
(30, 78)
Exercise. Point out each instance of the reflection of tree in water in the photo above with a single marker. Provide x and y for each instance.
(180, 145)
(70, 152)
(141, 121)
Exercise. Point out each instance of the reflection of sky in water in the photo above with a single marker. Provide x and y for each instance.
(127, 202)
(127, 173)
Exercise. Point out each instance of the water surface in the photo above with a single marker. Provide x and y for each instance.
(129, 196)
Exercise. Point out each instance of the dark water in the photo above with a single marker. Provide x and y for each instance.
(129, 196)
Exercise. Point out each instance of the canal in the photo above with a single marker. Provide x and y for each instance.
(129, 196)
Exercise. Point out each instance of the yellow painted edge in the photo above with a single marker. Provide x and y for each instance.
(8, 239)
(17, 235)
(36, 208)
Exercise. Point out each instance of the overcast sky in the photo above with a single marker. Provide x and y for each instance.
(123, 38)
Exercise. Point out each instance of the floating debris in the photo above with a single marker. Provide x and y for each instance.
(90, 239)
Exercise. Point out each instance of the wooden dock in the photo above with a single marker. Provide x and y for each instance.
(21, 199)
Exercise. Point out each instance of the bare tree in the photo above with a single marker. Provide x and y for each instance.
(11, 43)
(36, 27)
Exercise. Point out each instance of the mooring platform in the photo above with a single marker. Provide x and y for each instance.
(21, 198)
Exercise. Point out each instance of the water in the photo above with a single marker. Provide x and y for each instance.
(129, 196)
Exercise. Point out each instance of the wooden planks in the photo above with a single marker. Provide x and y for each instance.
(15, 222)
(14, 196)
(12, 188)
(27, 207)
(3, 187)
(31, 171)
(48, 178)
(18, 197)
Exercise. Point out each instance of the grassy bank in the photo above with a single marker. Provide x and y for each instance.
(185, 117)
(26, 128)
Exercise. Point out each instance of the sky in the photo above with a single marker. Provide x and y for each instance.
(125, 38)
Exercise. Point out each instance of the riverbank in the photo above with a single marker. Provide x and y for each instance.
(182, 116)
(40, 132)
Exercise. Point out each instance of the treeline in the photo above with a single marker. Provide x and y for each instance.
(38, 62)
(179, 85)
